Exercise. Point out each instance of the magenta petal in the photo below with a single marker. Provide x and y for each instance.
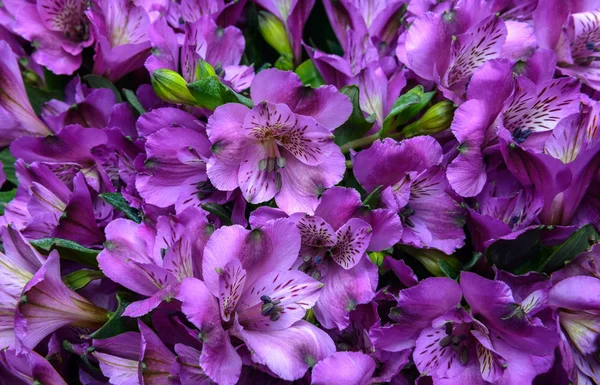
(316, 232)
(344, 290)
(290, 352)
(155, 359)
(338, 205)
(428, 46)
(325, 104)
(189, 371)
(404, 273)
(576, 293)
(344, 368)
(295, 291)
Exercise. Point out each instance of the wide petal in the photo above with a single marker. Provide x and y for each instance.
(292, 293)
(344, 368)
(428, 46)
(344, 290)
(325, 104)
(338, 205)
(290, 352)
(352, 241)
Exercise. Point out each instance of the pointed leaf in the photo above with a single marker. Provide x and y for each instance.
(97, 81)
(116, 323)
(8, 166)
(133, 100)
(406, 107)
(117, 201)
(70, 250)
(5, 198)
(577, 243)
(309, 74)
(220, 211)
(509, 254)
(211, 93)
(372, 199)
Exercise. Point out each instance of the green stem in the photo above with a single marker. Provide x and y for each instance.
(349, 164)
(358, 143)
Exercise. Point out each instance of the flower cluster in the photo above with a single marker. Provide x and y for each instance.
(312, 192)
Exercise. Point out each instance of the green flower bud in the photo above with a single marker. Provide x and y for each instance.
(204, 70)
(435, 261)
(435, 119)
(377, 258)
(274, 33)
(171, 87)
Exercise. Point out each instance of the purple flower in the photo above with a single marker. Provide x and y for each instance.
(27, 366)
(58, 29)
(574, 298)
(569, 28)
(159, 259)
(283, 147)
(18, 264)
(220, 47)
(529, 113)
(16, 113)
(247, 292)
(121, 32)
(177, 150)
(334, 242)
(414, 186)
(47, 304)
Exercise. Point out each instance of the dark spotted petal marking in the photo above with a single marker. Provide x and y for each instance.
(268, 121)
(481, 43)
(585, 36)
(352, 241)
(65, 16)
(290, 292)
(491, 364)
(540, 109)
(231, 287)
(316, 232)
(436, 355)
(308, 141)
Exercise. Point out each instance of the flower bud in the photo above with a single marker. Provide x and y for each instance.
(171, 87)
(274, 33)
(435, 261)
(435, 119)
(204, 70)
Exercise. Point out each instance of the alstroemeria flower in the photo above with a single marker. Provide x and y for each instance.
(565, 169)
(571, 30)
(120, 28)
(448, 48)
(379, 20)
(334, 242)
(16, 113)
(248, 292)
(504, 209)
(47, 305)
(21, 368)
(18, 264)
(220, 47)
(574, 298)
(414, 186)
(283, 147)
(159, 259)
(529, 112)
(58, 29)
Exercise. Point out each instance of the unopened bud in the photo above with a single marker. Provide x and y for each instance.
(435, 119)
(171, 87)
(204, 70)
(273, 31)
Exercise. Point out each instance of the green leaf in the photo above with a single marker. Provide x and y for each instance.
(116, 324)
(211, 93)
(70, 250)
(8, 166)
(220, 211)
(357, 125)
(5, 197)
(449, 266)
(133, 100)
(372, 199)
(309, 74)
(406, 107)
(97, 81)
(117, 201)
(579, 242)
(476, 256)
(37, 97)
(510, 254)
(81, 278)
